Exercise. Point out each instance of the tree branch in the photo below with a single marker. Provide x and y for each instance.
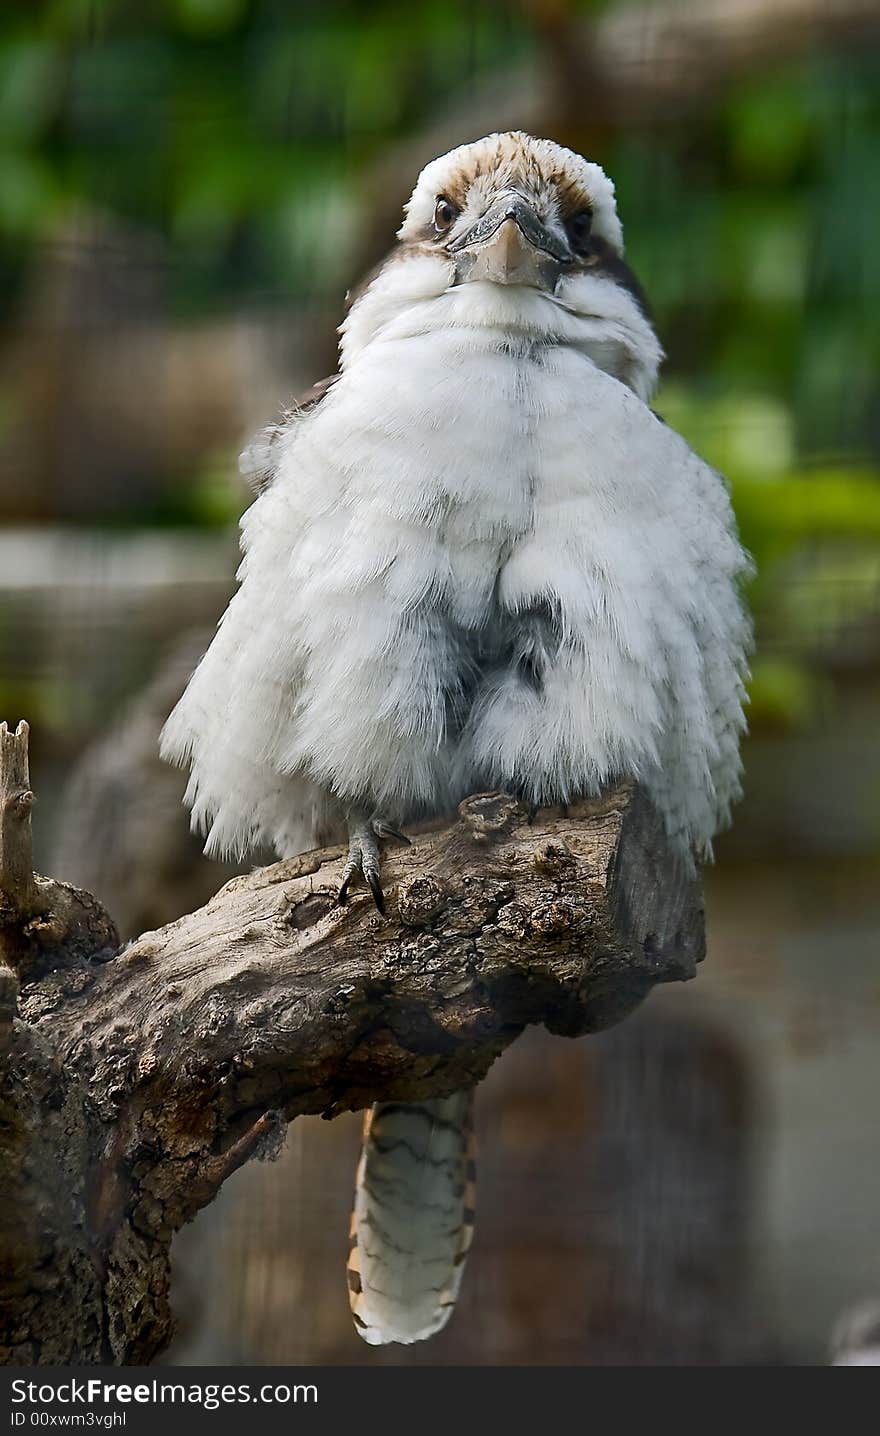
(134, 1086)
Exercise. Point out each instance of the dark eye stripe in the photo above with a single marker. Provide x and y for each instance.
(578, 227)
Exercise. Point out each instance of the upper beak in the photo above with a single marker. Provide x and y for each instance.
(509, 244)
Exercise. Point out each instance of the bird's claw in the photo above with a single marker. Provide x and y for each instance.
(383, 829)
(364, 860)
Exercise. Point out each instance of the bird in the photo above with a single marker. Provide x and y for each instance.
(478, 561)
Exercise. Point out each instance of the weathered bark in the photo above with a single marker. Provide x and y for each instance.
(17, 887)
(135, 1081)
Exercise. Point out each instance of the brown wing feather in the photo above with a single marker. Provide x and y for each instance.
(259, 461)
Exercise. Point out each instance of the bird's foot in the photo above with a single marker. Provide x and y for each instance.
(364, 854)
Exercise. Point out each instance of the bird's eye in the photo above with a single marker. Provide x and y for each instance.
(578, 229)
(445, 214)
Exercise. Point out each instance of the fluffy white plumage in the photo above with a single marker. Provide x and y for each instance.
(482, 562)
(475, 499)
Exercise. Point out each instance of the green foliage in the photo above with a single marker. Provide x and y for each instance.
(814, 532)
(784, 694)
(234, 127)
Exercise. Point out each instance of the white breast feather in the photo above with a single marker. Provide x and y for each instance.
(473, 464)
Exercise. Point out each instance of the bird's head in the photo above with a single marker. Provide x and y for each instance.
(516, 233)
(513, 210)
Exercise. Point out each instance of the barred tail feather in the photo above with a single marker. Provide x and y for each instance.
(413, 1217)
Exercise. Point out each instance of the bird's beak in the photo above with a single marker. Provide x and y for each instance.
(509, 244)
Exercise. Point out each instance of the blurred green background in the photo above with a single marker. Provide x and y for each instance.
(186, 191)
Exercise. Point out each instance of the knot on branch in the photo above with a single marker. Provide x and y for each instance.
(421, 899)
(553, 857)
(488, 815)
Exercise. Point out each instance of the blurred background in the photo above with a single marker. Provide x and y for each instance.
(186, 191)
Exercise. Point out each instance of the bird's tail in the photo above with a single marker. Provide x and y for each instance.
(413, 1217)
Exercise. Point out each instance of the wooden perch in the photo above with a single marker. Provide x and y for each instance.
(136, 1080)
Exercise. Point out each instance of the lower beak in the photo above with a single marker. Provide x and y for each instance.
(509, 245)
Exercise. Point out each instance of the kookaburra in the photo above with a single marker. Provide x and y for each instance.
(478, 560)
